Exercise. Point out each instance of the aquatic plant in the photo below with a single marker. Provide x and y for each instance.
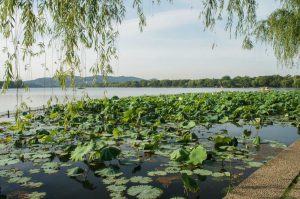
(144, 192)
(109, 138)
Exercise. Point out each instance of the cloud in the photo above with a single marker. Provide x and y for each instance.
(159, 21)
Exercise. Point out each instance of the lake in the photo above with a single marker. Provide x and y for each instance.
(155, 151)
(36, 97)
(59, 185)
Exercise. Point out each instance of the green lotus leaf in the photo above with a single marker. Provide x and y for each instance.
(42, 132)
(221, 140)
(40, 155)
(122, 181)
(36, 195)
(50, 171)
(82, 150)
(33, 184)
(76, 171)
(256, 140)
(157, 173)
(144, 192)
(19, 180)
(202, 172)
(218, 174)
(188, 172)
(224, 120)
(50, 167)
(34, 171)
(47, 139)
(116, 188)
(109, 153)
(8, 161)
(172, 170)
(190, 125)
(179, 155)
(197, 155)
(117, 195)
(109, 172)
(109, 180)
(140, 179)
(117, 132)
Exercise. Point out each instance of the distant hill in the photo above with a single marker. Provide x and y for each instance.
(79, 81)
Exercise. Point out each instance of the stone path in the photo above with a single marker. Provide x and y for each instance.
(294, 193)
(272, 180)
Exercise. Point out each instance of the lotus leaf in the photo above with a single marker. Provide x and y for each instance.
(36, 195)
(108, 172)
(116, 188)
(179, 155)
(81, 151)
(73, 172)
(256, 140)
(140, 179)
(109, 153)
(197, 155)
(144, 192)
(157, 173)
(202, 172)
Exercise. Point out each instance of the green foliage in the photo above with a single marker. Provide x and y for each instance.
(156, 123)
(140, 179)
(36, 195)
(109, 172)
(256, 140)
(197, 155)
(81, 151)
(179, 155)
(189, 183)
(73, 172)
(144, 192)
(116, 188)
(202, 172)
(221, 140)
(281, 30)
(109, 153)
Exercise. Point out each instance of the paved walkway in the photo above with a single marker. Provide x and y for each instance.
(294, 193)
(271, 180)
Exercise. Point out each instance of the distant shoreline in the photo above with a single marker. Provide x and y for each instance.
(281, 88)
(273, 81)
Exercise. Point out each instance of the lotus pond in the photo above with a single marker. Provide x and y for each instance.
(172, 146)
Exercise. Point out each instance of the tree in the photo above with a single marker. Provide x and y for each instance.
(92, 24)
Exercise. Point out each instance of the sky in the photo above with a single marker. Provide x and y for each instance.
(173, 45)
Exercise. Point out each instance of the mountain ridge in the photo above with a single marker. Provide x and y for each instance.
(79, 81)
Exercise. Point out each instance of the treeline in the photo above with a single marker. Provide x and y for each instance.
(13, 84)
(275, 81)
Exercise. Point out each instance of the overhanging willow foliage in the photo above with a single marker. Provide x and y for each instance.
(93, 25)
